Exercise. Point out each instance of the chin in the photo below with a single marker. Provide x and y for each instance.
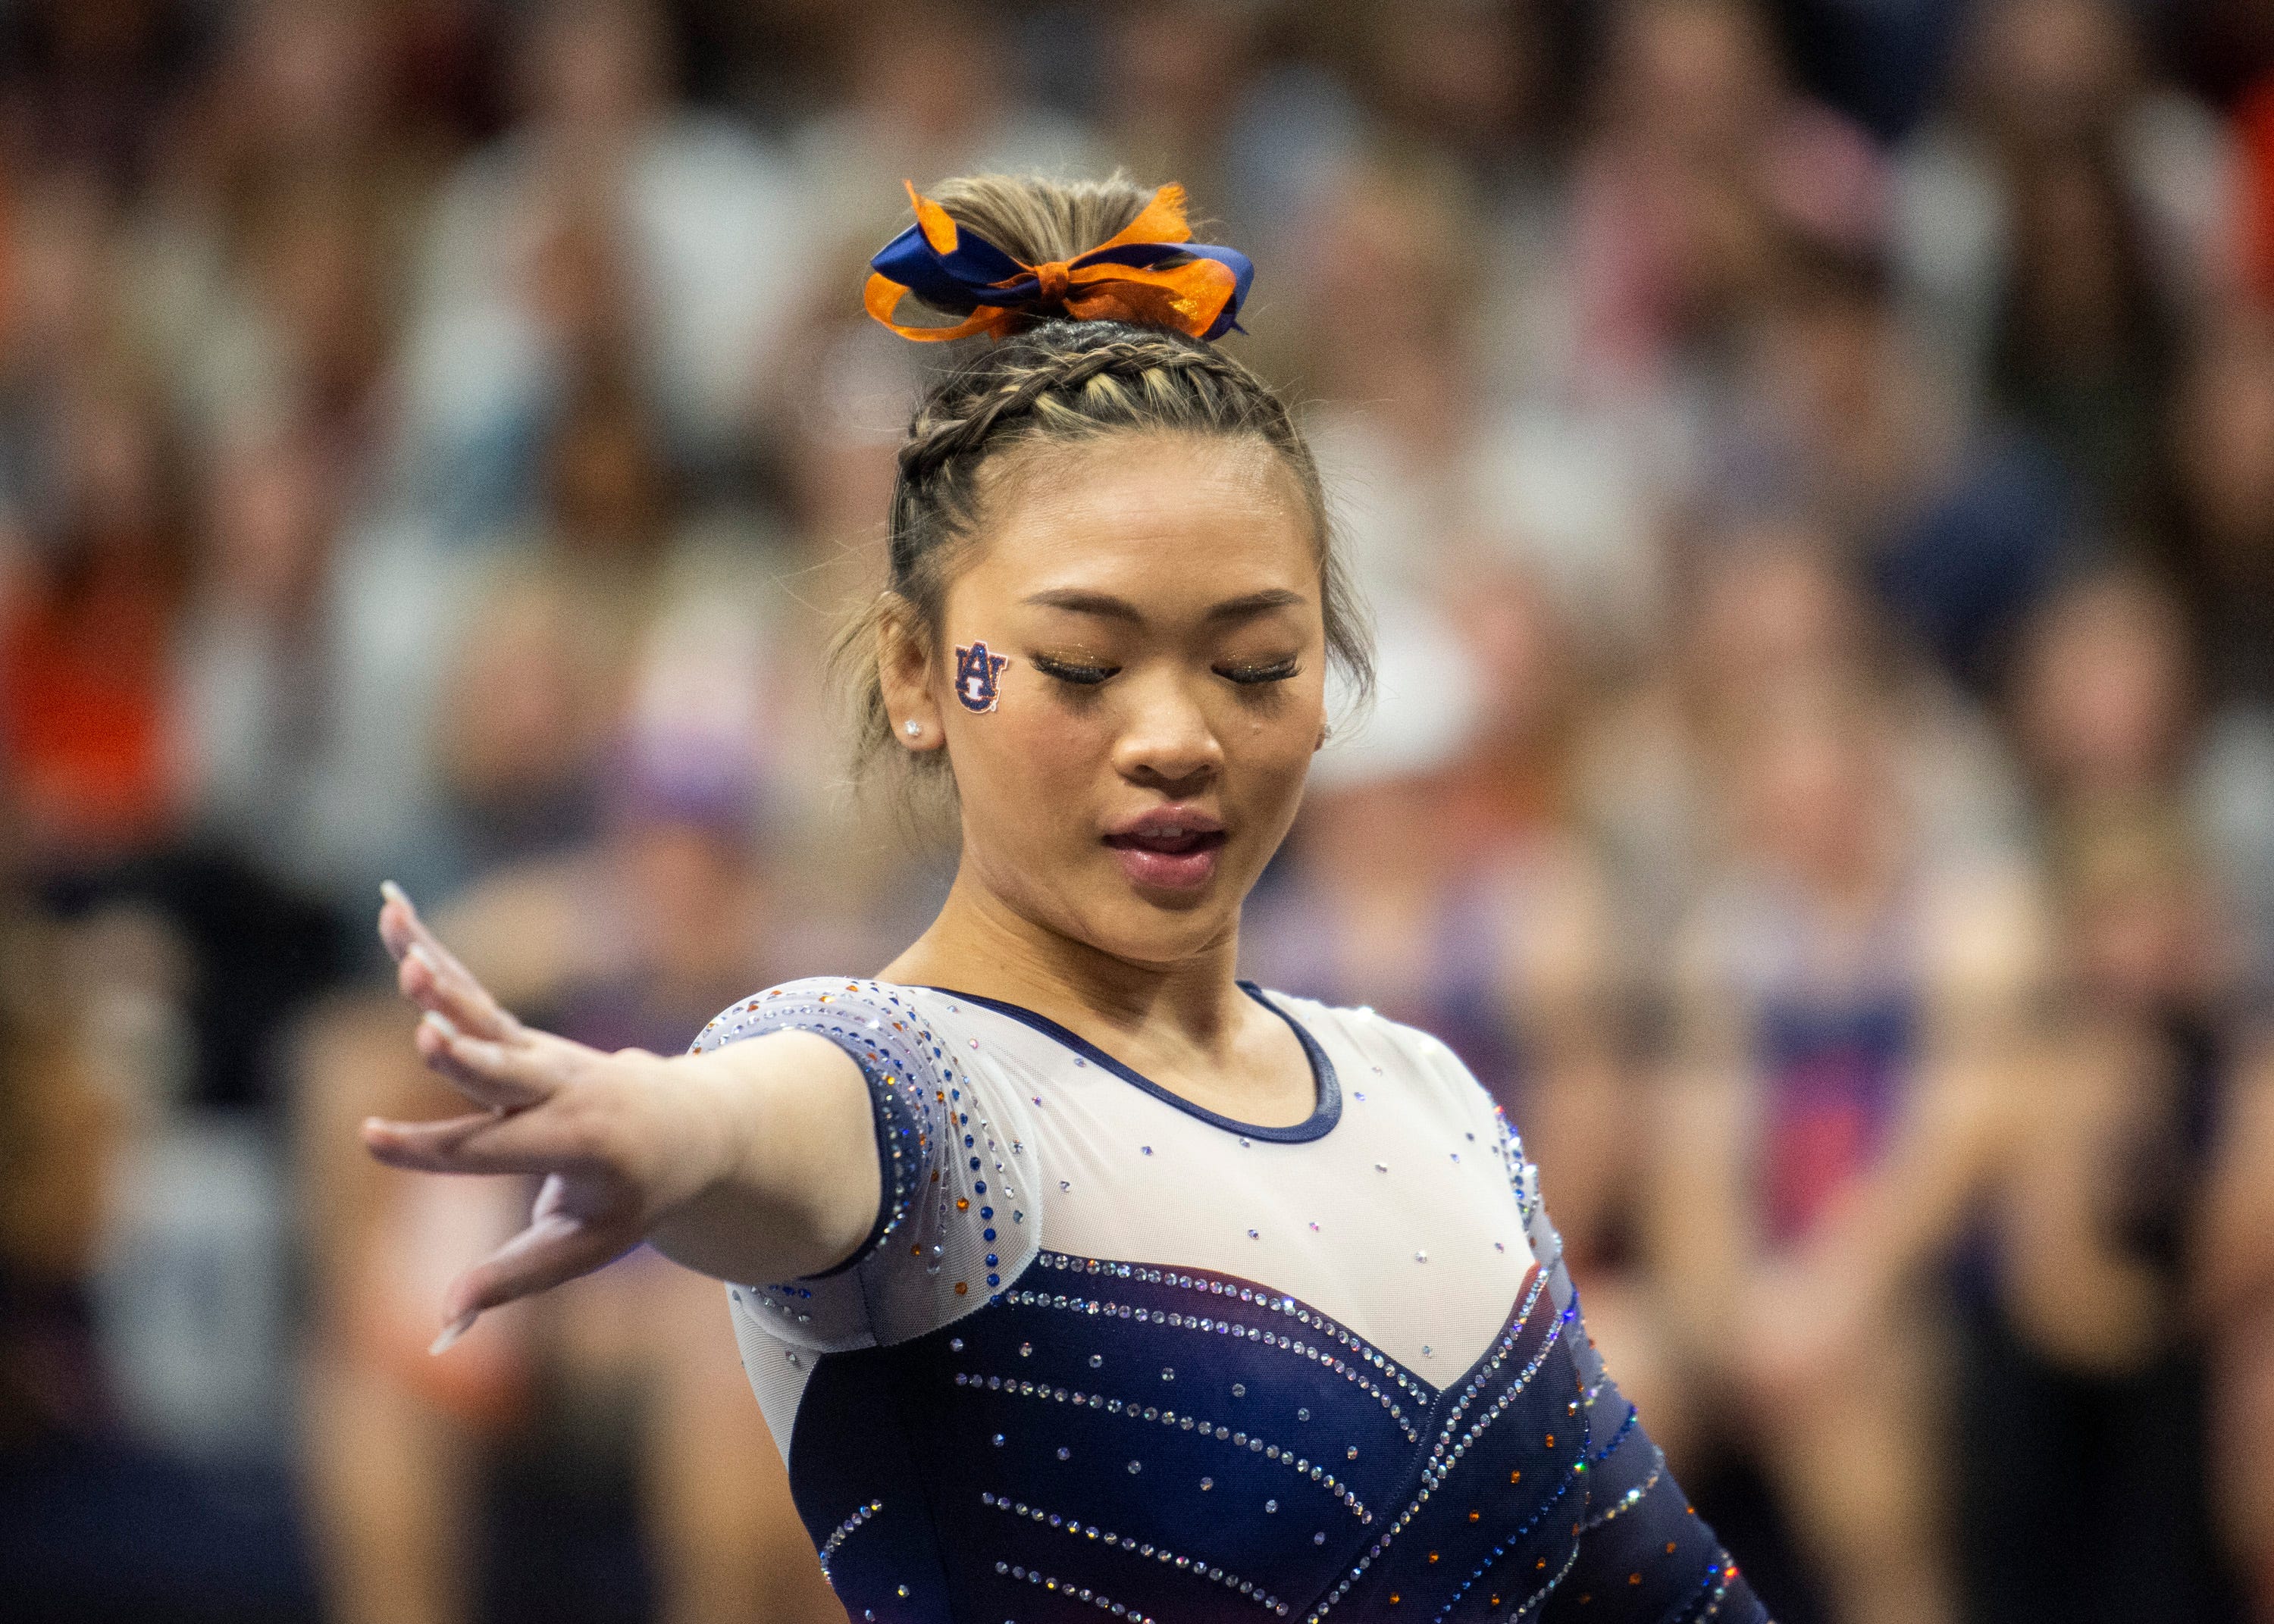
(1144, 929)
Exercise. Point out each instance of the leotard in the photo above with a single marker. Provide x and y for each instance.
(1105, 1352)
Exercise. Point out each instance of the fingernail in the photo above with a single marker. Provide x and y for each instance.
(417, 950)
(451, 1332)
(442, 1023)
(392, 893)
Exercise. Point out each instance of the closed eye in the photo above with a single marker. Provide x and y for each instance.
(1075, 671)
(1275, 670)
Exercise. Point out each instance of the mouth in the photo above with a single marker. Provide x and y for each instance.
(1168, 851)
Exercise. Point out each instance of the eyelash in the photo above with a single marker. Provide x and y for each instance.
(1080, 676)
(1090, 676)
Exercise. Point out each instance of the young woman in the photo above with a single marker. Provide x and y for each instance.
(1074, 1276)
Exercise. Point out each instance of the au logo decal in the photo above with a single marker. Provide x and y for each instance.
(976, 671)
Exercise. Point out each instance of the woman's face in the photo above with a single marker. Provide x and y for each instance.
(1158, 598)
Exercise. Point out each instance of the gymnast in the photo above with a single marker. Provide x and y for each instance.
(1074, 1274)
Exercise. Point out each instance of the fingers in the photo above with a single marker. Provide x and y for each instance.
(397, 918)
(400, 926)
(481, 1142)
(455, 996)
(431, 976)
(556, 1246)
(508, 1075)
(513, 1079)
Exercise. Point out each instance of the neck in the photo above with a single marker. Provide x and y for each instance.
(982, 943)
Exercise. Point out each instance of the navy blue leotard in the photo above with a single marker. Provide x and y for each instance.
(1106, 1352)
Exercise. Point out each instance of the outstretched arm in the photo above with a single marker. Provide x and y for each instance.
(757, 1161)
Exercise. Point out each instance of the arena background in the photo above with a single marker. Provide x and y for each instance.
(1812, 464)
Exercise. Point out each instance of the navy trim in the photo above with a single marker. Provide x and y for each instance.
(1325, 1113)
(886, 1110)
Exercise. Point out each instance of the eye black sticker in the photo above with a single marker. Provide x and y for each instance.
(975, 672)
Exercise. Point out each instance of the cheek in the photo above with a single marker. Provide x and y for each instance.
(1034, 764)
(1274, 756)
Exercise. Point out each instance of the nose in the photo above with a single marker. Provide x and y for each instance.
(1168, 743)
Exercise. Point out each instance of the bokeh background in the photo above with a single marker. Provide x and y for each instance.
(1812, 464)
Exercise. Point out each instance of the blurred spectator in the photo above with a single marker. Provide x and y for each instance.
(63, 317)
(84, 86)
(1399, 435)
(83, 673)
(1170, 72)
(1770, 609)
(1705, 162)
(921, 89)
(1812, 464)
(2221, 433)
(305, 664)
(1881, 65)
(2063, 196)
(2104, 698)
(2111, 716)
(2081, 1392)
(2235, 1265)
(2081, 353)
(611, 226)
(1843, 989)
(1957, 523)
(59, 1131)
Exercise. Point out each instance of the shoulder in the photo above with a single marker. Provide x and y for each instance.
(884, 1015)
(1411, 1069)
(1370, 1051)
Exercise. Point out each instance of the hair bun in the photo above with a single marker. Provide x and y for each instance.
(999, 254)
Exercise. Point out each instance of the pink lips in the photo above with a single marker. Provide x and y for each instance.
(1169, 848)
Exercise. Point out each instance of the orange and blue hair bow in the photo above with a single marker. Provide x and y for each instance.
(1150, 272)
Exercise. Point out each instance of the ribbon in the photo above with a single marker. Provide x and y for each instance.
(1150, 273)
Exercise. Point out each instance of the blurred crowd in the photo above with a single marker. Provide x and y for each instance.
(1811, 463)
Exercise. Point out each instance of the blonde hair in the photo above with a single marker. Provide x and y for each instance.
(1062, 381)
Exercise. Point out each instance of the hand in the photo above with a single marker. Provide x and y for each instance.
(617, 1145)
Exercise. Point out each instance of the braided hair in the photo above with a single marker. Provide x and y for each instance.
(1062, 381)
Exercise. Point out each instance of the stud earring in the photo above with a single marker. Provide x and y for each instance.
(912, 727)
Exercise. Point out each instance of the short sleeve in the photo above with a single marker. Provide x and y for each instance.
(951, 1220)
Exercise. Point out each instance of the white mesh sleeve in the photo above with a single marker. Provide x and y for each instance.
(955, 1218)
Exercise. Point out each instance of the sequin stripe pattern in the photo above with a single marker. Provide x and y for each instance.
(1575, 1478)
(1160, 1553)
(1633, 1497)
(1633, 1419)
(1539, 1232)
(1522, 1178)
(1710, 1594)
(1433, 1471)
(843, 1531)
(1516, 1537)
(1532, 1602)
(778, 1300)
(1444, 1452)
(1269, 1302)
(1301, 1466)
(887, 1038)
(954, 1099)
(1035, 1575)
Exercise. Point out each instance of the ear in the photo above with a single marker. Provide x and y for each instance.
(904, 671)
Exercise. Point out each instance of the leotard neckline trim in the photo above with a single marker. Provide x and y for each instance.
(1325, 1112)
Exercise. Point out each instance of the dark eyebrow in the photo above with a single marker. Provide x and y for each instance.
(1110, 608)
